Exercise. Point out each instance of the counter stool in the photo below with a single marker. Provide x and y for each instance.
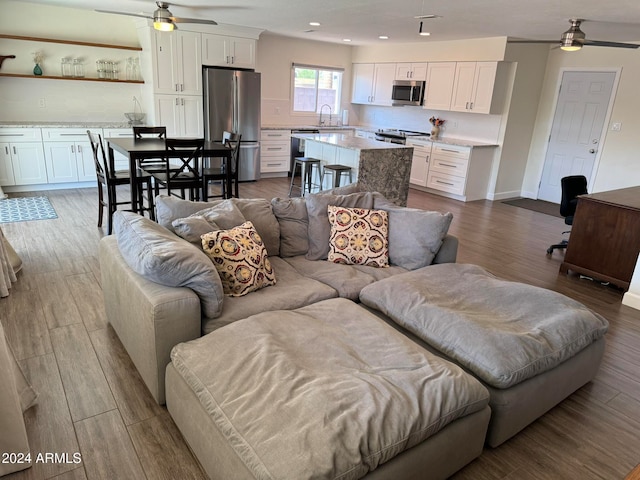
(306, 165)
(336, 170)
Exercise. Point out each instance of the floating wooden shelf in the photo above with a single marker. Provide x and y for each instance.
(71, 42)
(82, 79)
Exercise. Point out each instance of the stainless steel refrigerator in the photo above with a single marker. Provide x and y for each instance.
(232, 103)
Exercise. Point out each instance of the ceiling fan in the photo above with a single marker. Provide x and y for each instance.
(162, 18)
(574, 39)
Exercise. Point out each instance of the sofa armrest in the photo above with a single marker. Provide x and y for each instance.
(448, 251)
(149, 318)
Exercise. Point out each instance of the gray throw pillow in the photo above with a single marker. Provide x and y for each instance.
(319, 228)
(192, 228)
(294, 225)
(169, 208)
(415, 236)
(162, 257)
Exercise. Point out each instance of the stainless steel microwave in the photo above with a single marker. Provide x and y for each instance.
(407, 92)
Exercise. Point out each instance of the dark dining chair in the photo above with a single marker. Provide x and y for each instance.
(212, 174)
(186, 173)
(108, 180)
(150, 164)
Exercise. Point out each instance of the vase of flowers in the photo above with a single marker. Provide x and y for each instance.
(435, 129)
(37, 59)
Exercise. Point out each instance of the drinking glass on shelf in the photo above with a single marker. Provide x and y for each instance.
(65, 67)
(78, 68)
(129, 69)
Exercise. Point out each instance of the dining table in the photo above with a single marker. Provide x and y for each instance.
(136, 149)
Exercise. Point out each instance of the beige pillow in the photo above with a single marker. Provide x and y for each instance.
(358, 236)
(240, 258)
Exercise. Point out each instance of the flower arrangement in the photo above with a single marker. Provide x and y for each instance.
(38, 57)
(436, 122)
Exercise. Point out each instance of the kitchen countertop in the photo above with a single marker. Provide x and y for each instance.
(459, 142)
(78, 124)
(350, 142)
(298, 127)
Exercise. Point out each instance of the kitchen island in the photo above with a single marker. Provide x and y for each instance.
(377, 166)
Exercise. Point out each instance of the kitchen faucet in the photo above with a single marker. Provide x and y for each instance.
(325, 105)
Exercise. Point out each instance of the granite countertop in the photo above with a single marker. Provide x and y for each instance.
(350, 142)
(78, 124)
(298, 127)
(458, 142)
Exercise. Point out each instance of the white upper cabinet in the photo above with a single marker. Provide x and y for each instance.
(220, 50)
(372, 83)
(177, 62)
(411, 71)
(439, 87)
(473, 87)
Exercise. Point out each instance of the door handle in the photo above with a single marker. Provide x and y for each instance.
(593, 150)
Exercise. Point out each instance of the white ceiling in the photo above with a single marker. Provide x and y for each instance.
(364, 20)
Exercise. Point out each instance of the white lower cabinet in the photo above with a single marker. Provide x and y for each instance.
(181, 114)
(21, 157)
(275, 151)
(120, 162)
(68, 155)
(420, 162)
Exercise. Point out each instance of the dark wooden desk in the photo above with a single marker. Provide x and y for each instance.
(144, 148)
(605, 236)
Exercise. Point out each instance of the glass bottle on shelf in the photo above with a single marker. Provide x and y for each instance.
(135, 71)
(65, 67)
(129, 69)
(78, 68)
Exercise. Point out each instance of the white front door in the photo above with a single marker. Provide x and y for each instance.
(577, 126)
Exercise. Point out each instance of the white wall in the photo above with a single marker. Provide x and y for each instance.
(275, 55)
(65, 100)
(618, 166)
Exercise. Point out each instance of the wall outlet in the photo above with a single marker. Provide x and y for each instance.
(616, 127)
(277, 110)
(42, 103)
(454, 124)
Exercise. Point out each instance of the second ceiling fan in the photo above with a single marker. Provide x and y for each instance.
(574, 39)
(162, 18)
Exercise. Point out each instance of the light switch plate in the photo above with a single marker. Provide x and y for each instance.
(616, 127)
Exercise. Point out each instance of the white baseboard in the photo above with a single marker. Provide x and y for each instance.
(48, 186)
(632, 300)
(503, 195)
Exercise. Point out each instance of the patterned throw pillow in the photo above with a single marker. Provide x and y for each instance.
(240, 258)
(359, 236)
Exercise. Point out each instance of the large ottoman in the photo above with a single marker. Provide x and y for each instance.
(325, 391)
(531, 347)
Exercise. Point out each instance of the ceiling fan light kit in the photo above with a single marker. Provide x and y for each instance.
(163, 19)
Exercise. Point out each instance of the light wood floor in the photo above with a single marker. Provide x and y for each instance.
(92, 400)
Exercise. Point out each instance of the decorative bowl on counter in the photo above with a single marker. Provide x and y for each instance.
(135, 118)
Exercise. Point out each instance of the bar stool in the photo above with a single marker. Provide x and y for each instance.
(336, 170)
(306, 165)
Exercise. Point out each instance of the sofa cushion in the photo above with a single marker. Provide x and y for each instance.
(192, 228)
(169, 208)
(257, 210)
(294, 225)
(240, 259)
(358, 236)
(319, 228)
(222, 216)
(293, 290)
(347, 280)
(415, 236)
(162, 257)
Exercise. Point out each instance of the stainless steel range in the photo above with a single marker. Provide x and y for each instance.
(393, 135)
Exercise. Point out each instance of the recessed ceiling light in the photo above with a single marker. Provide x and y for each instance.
(383, 37)
(346, 39)
(314, 24)
(422, 17)
(425, 34)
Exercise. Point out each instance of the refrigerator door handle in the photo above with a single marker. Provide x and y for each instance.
(236, 103)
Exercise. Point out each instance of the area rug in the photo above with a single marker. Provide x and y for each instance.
(539, 206)
(23, 209)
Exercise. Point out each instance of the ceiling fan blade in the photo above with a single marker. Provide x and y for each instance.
(193, 20)
(599, 43)
(533, 41)
(125, 13)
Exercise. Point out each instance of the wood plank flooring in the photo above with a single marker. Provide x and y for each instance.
(92, 400)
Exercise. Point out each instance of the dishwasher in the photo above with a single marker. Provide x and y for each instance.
(297, 145)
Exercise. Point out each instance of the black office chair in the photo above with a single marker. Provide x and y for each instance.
(572, 186)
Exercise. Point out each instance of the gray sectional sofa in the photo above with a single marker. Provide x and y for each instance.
(160, 290)
(337, 371)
